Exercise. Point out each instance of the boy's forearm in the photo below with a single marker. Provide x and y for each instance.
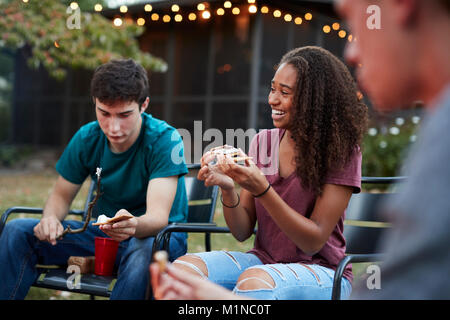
(149, 226)
(56, 207)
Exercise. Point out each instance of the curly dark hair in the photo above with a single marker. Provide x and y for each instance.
(121, 80)
(329, 120)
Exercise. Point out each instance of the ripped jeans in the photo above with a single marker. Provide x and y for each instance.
(293, 281)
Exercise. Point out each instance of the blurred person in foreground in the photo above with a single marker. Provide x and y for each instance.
(405, 60)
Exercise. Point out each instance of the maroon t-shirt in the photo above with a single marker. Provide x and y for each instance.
(271, 244)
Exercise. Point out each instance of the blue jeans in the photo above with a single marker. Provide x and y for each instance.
(293, 281)
(20, 251)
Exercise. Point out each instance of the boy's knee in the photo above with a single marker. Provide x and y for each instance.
(20, 226)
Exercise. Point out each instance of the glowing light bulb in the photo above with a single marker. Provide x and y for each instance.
(117, 22)
(206, 14)
(342, 33)
(98, 7)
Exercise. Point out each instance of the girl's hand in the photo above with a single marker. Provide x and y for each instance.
(211, 175)
(248, 176)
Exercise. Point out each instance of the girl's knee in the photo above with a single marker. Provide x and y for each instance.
(255, 279)
(192, 264)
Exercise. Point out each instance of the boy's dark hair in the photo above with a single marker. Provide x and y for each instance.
(121, 80)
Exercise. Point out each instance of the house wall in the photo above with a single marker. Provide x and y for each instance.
(218, 78)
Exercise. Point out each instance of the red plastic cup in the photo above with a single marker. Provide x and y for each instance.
(105, 255)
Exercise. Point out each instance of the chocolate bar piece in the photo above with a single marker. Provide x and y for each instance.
(86, 264)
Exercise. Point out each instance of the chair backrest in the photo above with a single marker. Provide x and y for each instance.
(202, 199)
(364, 223)
(363, 226)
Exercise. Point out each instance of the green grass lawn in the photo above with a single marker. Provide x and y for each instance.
(32, 190)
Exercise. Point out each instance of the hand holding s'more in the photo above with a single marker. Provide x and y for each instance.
(235, 154)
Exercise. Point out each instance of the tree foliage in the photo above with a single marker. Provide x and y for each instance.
(45, 28)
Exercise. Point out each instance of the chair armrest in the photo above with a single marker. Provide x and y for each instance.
(185, 227)
(353, 258)
(30, 210)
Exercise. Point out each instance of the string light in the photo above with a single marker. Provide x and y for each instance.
(117, 22)
(155, 17)
(252, 9)
(74, 5)
(342, 34)
(98, 7)
(206, 14)
(287, 17)
(25, 1)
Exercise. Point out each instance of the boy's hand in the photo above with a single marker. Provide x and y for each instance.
(48, 229)
(122, 230)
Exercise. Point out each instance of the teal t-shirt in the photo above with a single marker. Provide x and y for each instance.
(157, 153)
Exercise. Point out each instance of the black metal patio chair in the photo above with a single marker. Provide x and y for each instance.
(364, 226)
(202, 203)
